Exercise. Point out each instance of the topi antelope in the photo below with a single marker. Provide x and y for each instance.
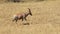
(22, 16)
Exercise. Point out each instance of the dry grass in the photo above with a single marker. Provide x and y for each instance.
(5, 1)
(45, 19)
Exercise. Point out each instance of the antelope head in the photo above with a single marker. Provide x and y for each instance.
(30, 11)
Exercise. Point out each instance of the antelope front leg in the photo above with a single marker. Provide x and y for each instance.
(22, 18)
(25, 18)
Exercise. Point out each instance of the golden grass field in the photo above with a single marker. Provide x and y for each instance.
(45, 19)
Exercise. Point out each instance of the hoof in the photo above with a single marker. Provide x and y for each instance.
(25, 23)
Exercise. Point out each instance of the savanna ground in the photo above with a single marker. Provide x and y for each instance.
(45, 19)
